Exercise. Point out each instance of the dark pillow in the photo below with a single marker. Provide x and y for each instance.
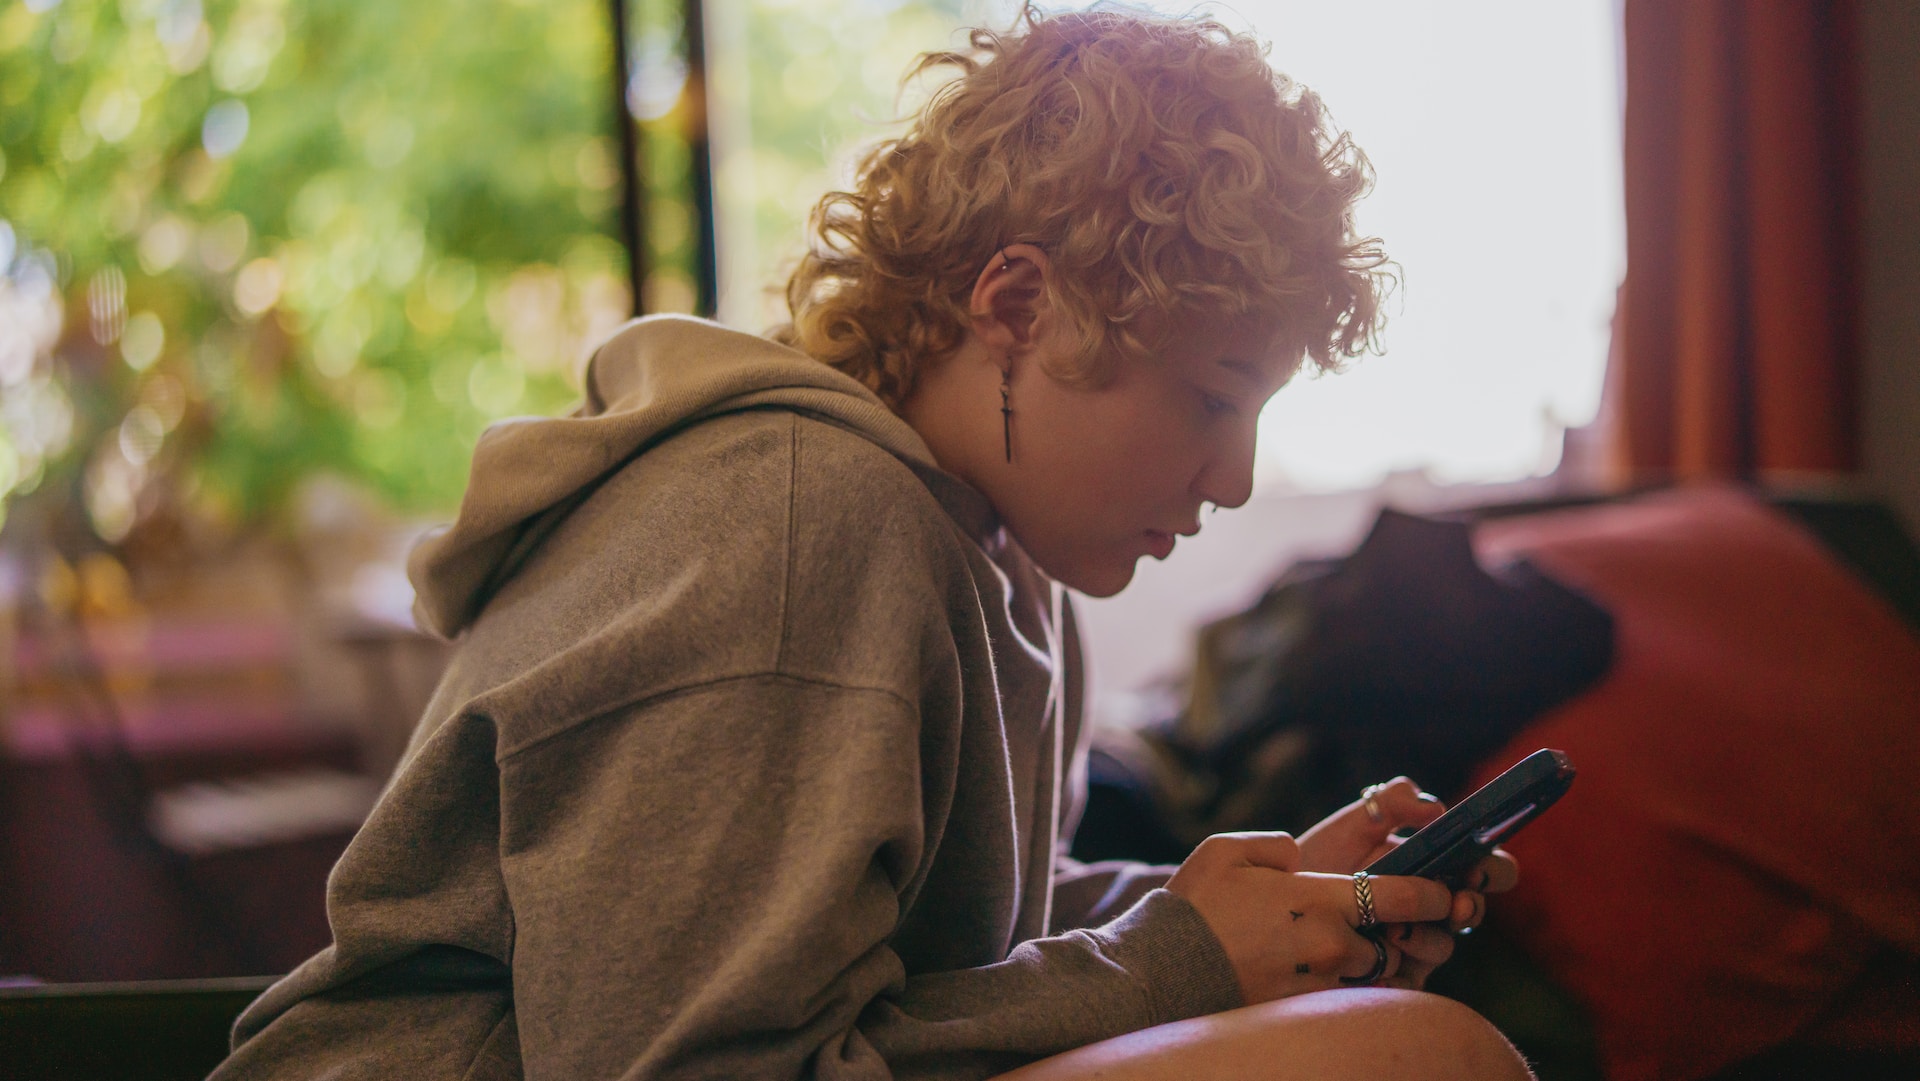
(1404, 657)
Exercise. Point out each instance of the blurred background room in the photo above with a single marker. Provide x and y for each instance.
(269, 267)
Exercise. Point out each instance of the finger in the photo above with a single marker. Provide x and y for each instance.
(1468, 909)
(1400, 803)
(1411, 975)
(1465, 904)
(1277, 851)
(1403, 899)
(1408, 804)
(1424, 943)
(1498, 873)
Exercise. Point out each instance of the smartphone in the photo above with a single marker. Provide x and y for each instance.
(1452, 845)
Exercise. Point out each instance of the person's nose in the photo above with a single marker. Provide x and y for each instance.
(1226, 479)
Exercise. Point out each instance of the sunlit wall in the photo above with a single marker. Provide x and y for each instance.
(1494, 133)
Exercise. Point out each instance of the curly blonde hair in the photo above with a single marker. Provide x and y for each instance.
(1172, 177)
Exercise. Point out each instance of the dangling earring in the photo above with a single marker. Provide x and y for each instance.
(1006, 389)
(1006, 409)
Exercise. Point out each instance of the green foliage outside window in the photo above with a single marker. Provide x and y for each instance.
(292, 238)
(245, 242)
(822, 80)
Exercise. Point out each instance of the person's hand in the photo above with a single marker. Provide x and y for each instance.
(1288, 931)
(1352, 838)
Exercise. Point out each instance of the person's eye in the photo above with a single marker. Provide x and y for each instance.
(1215, 406)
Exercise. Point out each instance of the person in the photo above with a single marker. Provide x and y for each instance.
(763, 741)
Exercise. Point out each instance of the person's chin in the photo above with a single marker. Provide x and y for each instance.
(1099, 581)
(1082, 567)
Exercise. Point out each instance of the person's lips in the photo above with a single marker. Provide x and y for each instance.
(1159, 544)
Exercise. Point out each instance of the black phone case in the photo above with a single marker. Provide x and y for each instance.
(1457, 841)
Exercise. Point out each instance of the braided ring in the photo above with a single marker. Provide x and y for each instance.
(1363, 898)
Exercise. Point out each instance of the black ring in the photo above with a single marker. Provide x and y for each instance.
(1379, 965)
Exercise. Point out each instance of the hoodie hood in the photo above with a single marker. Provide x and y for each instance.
(654, 377)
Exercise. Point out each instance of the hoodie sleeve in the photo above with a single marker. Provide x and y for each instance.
(706, 886)
(1089, 894)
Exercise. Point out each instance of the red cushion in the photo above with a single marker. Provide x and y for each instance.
(1743, 834)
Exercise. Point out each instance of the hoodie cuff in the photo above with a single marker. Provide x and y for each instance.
(1166, 943)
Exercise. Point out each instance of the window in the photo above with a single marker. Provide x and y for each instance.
(1494, 133)
(798, 88)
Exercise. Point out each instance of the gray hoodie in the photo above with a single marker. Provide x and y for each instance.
(754, 761)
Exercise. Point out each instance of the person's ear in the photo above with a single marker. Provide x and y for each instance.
(1010, 299)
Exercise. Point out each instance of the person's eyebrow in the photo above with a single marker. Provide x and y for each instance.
(1252, 371)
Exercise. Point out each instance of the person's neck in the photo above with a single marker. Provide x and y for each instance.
(953, 407)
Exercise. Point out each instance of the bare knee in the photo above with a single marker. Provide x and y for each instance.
(1418, 1035)
(1361, 1032)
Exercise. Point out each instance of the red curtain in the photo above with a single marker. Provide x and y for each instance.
(1735, 348)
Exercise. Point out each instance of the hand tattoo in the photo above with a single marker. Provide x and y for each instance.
(1302, 970)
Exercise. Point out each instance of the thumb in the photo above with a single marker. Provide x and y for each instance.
(1275, 851)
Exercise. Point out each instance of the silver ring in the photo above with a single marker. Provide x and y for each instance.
(1363, 899)
(1379, 968)
(1370, 797)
